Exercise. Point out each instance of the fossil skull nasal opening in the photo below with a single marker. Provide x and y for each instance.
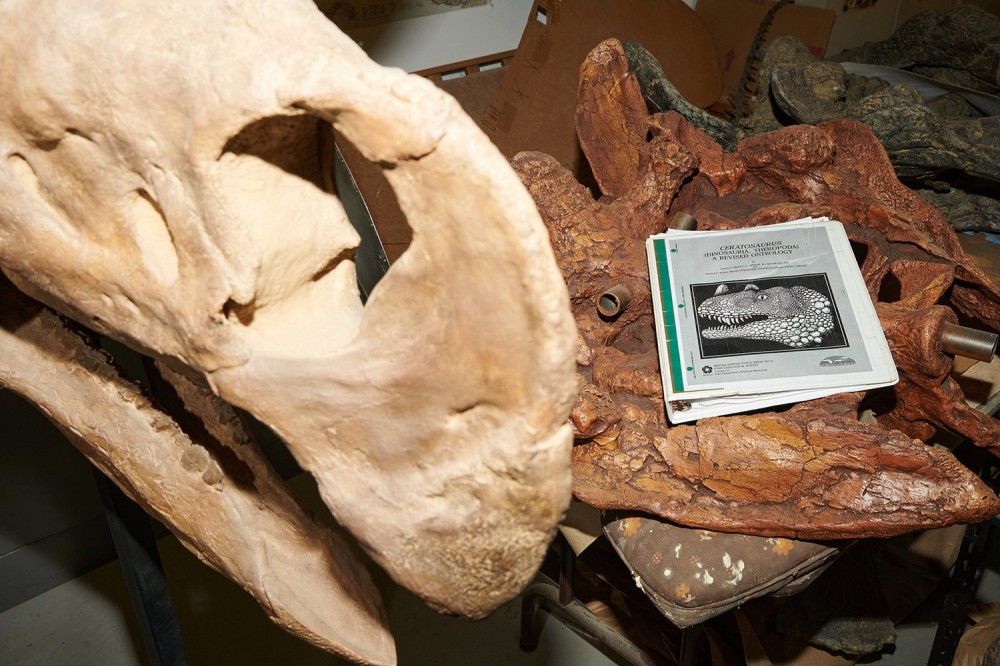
(274, 177)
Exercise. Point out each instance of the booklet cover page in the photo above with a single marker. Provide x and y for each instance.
(766, 309)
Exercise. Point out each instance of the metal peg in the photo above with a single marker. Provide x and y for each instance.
(683, 221)
(968, 342)
(611, 302)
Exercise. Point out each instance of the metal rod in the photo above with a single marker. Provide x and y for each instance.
(968, 342)
(690, 638)
(683, 221)
(546, 596)
(611, 302)
(567, 570)
(144, 577)
(961, 591)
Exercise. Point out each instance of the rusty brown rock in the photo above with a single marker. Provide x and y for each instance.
(596, 101)
(912, 256)
(814, 470)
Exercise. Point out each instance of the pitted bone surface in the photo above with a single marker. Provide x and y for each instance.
(794, 316)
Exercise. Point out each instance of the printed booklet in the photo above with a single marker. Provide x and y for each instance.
(764, 316)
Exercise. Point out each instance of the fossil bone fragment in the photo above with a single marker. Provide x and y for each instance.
(964, 41)
(943, 147)
(181, 478)
(812, 471)
(161, 182)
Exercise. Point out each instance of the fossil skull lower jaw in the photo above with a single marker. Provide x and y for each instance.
(434, 417)
(195, 469)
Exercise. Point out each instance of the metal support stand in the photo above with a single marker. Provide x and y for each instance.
(132, 533)
(961, 591)
(558, 599)
(690, 641)
(576, 615)
(965, 574)
(567, 571)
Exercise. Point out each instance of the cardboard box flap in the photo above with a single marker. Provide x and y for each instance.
(535, 106)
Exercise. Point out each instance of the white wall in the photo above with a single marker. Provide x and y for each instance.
(424, 42)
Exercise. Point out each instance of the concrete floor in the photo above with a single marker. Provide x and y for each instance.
(89, 621)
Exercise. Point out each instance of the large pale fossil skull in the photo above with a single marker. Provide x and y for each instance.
(161, 182)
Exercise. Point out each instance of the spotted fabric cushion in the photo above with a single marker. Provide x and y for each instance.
(693, 575)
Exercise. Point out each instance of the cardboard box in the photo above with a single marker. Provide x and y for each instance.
(535, 107)
(992, 6)
(860, 24)
(733, 25)
(910, 8)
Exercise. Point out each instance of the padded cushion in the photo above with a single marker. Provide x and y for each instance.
(692, 575)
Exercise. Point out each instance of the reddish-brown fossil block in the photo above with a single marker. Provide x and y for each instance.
(815, 470)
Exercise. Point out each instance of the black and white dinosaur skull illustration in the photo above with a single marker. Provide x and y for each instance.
(794, 316)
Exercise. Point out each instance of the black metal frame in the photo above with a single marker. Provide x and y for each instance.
(132, 532)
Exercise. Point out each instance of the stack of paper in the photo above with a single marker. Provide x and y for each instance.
(763, 316)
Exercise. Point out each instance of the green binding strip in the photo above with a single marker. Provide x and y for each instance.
(669, 322)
